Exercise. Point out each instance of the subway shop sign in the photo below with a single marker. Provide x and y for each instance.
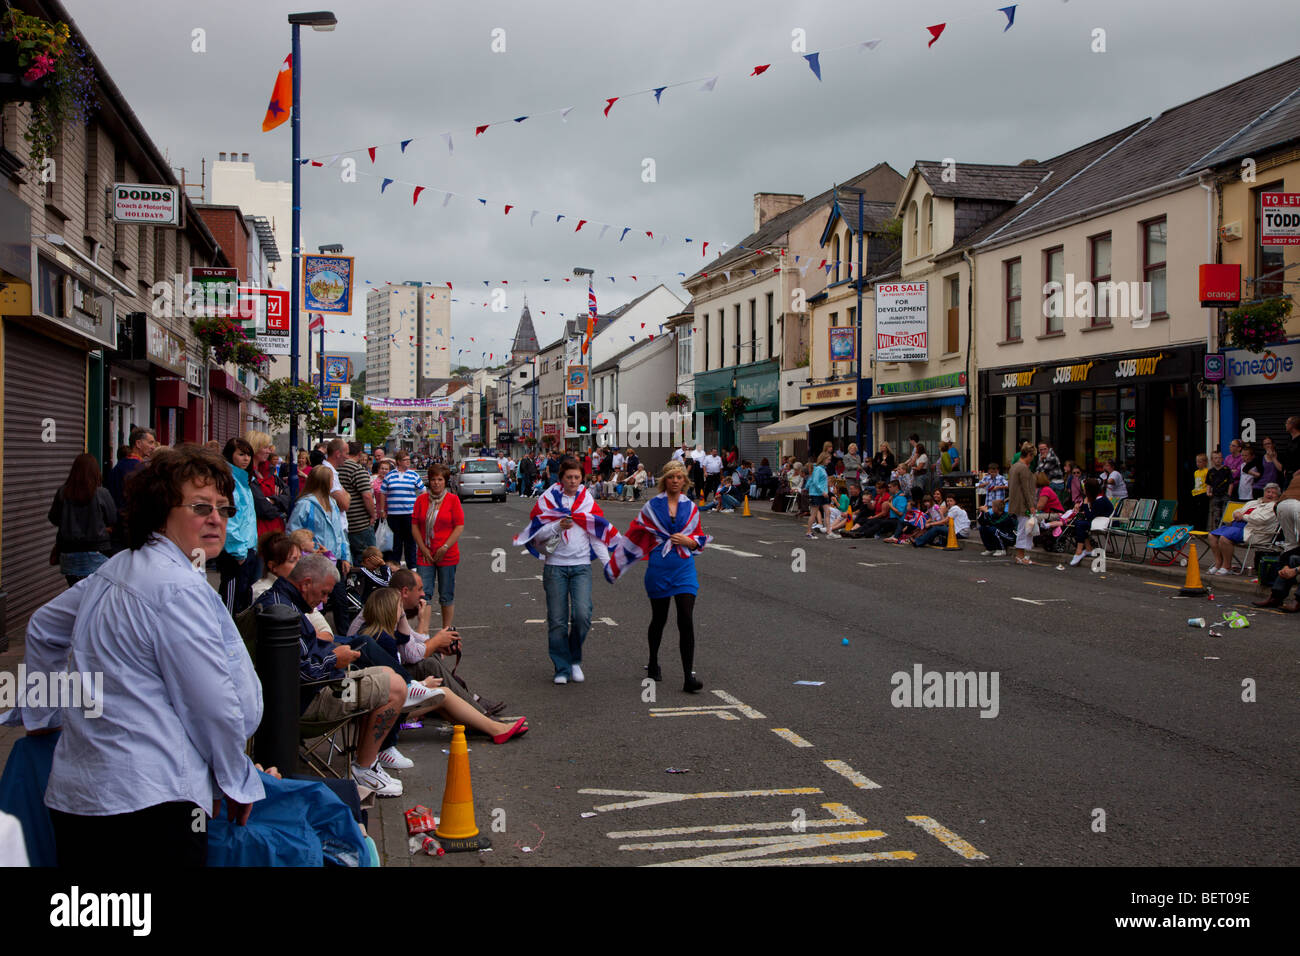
(142, 203)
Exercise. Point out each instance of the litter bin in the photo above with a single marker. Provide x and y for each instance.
(961, 485)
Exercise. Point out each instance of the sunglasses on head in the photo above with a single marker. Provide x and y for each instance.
(203, 509)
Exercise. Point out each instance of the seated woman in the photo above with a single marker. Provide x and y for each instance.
(853, 500)
(279, 554)
(761, 484)
(1094, 505)
(877, 519)
(1255, 521)
(837, 507)
(640, 481)
(380, 615)
(937, 510)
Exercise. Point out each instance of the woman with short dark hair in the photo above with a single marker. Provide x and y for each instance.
(84, 512)
(239, 564)
(143, 758)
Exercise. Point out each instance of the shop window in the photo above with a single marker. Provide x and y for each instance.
(1054, 301)
(1099, 272)
(753, 330)
(771, 328)
(1011, 287)
(835, 256)
(1154, 244)
(1269, 260)
(952, 318)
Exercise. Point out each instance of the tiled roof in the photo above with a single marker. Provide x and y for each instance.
(981, 181)
(1171, 146)
(774, 229)
(1280, 125)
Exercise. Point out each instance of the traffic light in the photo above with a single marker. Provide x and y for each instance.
(582, 412)
(347, 427)
(573, 418)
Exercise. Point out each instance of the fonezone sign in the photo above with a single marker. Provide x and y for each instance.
(139, 202)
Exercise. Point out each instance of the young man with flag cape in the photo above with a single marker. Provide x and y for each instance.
(569, 524)
(667, 533)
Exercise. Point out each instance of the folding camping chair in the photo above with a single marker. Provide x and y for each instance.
(1161, 521)
(1136, 526)
(1119, 521)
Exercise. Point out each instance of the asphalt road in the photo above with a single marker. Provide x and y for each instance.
(1119, 736)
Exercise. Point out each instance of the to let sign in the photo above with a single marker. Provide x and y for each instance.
(155, 205)
(1280, 225)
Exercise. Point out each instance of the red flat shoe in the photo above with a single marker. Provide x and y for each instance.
(519, 728)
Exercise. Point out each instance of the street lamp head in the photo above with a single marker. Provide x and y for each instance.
(332, 247)
(579, 271)
(322, 20)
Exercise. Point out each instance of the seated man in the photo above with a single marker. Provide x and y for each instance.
(997, 528)
(1288, 572)
(938, 533)
(378, 692)
(888, 518)
(913, 521)
(421, 651)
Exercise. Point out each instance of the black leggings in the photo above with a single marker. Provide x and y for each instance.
(685, 628)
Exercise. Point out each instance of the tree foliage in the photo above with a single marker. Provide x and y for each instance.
(282, 400)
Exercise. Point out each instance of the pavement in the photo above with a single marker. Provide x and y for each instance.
(1109, 731)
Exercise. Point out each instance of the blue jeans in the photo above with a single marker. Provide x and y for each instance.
(358, 541)
(440, 581)
(568, 613)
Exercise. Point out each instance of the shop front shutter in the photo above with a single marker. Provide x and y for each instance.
(43, 380)
(1270, 406)
(752, 448)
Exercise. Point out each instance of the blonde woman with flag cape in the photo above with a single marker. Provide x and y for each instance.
(667, 533)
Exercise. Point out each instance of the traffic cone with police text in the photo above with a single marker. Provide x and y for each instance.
(1192, 583)
(456, 827)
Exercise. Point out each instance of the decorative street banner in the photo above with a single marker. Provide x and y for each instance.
(338, 369)
(902, 322)
(382, 403)
(1281, 225)
(577, 378)
(327, 284)
(843, 344)
(329, 397)
(265, 315)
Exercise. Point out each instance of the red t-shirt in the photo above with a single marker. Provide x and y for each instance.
(450, 514)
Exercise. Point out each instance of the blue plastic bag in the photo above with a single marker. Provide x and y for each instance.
(298, 823)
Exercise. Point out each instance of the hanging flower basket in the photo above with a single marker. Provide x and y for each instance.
(229, 343)
(42, 63)
(677, 400)
(1258, 326)
(733, 408)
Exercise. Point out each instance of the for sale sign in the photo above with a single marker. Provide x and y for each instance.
(1280, 220)
(265, 314)
(902, 322)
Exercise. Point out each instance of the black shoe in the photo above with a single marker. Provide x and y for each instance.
(654, 673)
(692, 684)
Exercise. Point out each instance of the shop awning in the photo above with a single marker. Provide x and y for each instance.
(796, 426)
(907, 403)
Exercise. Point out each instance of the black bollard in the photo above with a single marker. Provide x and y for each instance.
(276, 742)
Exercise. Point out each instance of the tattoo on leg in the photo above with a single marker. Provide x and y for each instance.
(384, 721)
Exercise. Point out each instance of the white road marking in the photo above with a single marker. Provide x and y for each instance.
(949, 839)
(787, 734)
(1040, 601)
(848, 773)
(882, 564)
(653, 798)
(608, 620)
(841, 816)
(745, 709)
(731, 550)
(761, 541)
(696, 712)
(535, 621)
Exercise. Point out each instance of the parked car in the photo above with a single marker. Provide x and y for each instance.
(481, 478)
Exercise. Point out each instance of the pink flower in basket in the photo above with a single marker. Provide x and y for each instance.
(42, 63)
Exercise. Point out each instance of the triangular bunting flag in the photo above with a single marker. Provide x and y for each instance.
(760, 70)
(508, 208)
(708, 85)
(659, 91)
(603, 229)
(609, 103)
(447, 199)
(447, 137)
(934, 33)
(371, 151)
(564, 113)
(415, 196)
(533, 216)
(581, 223)
(704, 249)
(384, 185)
(405, 143)
(478, 130)
(814, 63)
(520, 119)
(868, 44)
(1011, 16)
(625, 232)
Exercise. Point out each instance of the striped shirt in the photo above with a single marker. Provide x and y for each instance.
(356, 482)
(400, 490)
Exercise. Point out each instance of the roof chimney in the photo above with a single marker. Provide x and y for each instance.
(245, 159)
(221, 157)
(769, 205)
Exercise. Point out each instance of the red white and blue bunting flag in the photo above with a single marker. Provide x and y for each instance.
(704, 84)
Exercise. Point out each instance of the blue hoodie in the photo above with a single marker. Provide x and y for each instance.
(241, 530)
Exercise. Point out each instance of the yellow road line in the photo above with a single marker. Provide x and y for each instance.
(949, 839)
(857, 779)
(1172, 587)
(788, 734)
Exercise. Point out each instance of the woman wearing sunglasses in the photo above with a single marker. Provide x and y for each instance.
(169, 695)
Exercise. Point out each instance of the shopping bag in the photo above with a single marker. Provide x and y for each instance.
(383, 536)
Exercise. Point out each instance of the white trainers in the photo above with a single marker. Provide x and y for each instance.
(1000, 553)
(561, 679)
(832, 534)
(392, 757)
(420, 697)
(374, 778)
(819, 527)
(985, 554)
(575, 671)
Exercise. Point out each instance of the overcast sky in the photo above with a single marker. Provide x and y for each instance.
(399, 69)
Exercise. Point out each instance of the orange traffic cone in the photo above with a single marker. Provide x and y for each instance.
(456, 827)
(1192, 583)
(954, 544)
(745, 513)
(848, 522)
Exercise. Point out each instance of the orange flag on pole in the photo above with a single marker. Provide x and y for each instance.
(277, 111)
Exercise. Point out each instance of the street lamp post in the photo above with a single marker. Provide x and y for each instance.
(580, 271)
(857, 390)
(323, 21)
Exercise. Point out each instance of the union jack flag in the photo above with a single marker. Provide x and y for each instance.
(591, 317)
(587, 518)
(652, 528)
